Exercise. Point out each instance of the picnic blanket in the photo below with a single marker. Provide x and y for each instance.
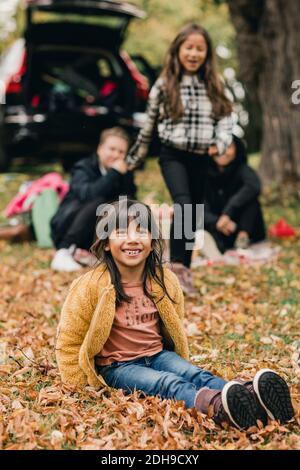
(257, 253)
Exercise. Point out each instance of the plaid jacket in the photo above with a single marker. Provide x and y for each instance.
(195, 132)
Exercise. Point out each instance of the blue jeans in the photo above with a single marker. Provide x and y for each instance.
(165, 374)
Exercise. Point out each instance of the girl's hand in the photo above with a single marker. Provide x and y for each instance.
(121, 166)
(130, 166)
(225, 225)
(222, 222)
(231, 227)
(213, 151)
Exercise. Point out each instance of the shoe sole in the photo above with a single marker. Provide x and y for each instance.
(239, 404)
(274, 395)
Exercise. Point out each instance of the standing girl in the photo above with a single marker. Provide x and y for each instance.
(193, 116)
(122, 326)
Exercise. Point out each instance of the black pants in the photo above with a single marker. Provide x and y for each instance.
(185, 175)
(249, 219)
(81, 231)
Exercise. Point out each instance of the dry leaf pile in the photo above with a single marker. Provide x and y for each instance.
(245, 318)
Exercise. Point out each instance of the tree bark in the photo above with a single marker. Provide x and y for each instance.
(268, 34)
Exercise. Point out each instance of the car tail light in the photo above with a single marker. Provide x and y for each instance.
(108, 87)
(35, 101)
(14, 85)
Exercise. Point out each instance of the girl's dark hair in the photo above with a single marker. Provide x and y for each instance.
(118, 215)
(173, 71)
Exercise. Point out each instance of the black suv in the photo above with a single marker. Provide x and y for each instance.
(67, 79)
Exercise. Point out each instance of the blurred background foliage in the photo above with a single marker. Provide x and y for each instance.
(12, 20)
(165, 18)
(152, 35)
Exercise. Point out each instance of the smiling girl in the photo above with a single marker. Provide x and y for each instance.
(122, 327)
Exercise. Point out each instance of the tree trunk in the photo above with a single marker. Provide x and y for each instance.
(268, 33)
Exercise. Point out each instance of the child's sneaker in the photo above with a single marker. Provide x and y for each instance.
(261, 413)
(238, 404)
(273, 394)
(206, 243)
(234, 404)
(63, 261)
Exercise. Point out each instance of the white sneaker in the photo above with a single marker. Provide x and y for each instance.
(63, 261)
(205, 242)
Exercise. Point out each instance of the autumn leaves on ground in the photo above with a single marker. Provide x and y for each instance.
(245, 318)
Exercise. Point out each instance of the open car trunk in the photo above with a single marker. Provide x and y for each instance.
(79, 22)
(73, 54)
(74, 79)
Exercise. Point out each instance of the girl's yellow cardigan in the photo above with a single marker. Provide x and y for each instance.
(87, 317)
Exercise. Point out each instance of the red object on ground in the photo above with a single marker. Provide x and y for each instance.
(281, 230)
(20, 203)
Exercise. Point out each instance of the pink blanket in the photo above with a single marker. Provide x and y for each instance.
(23, 202)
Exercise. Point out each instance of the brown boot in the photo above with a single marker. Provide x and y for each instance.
(272, 396)
(234, 405)
(184, 275)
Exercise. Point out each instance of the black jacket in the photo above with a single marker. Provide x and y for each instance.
(88, 184)
(229, 190)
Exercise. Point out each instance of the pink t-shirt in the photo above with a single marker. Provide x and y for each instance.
(136, 329)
